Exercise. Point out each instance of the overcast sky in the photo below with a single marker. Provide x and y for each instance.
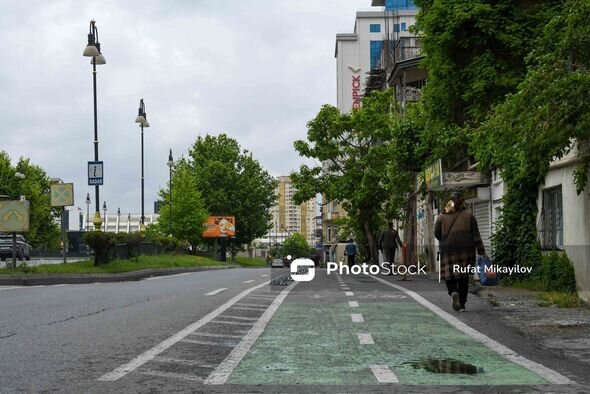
(257, 70)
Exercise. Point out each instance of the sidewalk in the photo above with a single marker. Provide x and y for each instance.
(563, 330)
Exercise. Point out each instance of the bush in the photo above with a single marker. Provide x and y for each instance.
(102, 244)
(557, 273)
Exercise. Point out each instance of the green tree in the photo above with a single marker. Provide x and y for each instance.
(188, 207)
(355, 149)
(539, 122)
(36, 188)
(232, 182)
(296, 246)
(475, 55)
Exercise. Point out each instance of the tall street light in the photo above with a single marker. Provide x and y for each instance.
(142, 120)
(170, 165)
(93, 50)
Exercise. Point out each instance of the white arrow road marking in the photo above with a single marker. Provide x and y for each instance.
(541, 370)
(217, 291)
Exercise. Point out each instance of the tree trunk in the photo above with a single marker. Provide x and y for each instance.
(374, 253)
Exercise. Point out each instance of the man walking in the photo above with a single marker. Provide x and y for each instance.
(457, 231)
(388, 243)
(350, 252)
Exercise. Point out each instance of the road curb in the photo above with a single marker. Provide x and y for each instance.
(58, 279)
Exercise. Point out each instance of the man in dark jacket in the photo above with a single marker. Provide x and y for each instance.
(457, 231)
(388, 243)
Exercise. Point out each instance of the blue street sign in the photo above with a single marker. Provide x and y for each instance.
(95, 173)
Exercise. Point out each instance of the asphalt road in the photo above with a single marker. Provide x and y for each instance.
(227, 331)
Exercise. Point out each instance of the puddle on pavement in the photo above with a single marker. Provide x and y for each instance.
(446, 366)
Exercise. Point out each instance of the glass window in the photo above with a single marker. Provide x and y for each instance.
(403, 26)
(376, 54)
(551, 226)
(396, 28)
(400, 5)
(375, 28)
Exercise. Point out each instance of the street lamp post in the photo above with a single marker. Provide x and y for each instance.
(170, 165)
(142, 120)
(118, 219)
(21, 176)
(104, 208)
(87, 211)
(93, 50)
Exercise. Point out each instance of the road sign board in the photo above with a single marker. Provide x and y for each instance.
(14, 216)
(62, 194)
(95, 173)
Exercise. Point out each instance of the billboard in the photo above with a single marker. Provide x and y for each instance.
(219, 226)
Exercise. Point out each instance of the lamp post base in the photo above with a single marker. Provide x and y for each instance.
(97, 221)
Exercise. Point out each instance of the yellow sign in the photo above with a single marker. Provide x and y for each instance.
(14, 216)
(433, 175)
(62, 194)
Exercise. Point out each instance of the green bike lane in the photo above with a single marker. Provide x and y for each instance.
(358, 331)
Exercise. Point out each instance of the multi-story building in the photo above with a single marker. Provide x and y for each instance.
(288, 217)
(361, 58)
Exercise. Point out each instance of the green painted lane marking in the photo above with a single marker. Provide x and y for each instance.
(318, 344)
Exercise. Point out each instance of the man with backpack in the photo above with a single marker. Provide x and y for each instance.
(350, 252)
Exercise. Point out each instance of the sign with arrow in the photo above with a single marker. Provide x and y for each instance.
(62, 194)
(14, 216)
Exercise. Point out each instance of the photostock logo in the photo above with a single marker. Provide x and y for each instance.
(302, 270)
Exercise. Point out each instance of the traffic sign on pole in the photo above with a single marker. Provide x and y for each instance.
(95, 173)
(14, 216)
(62, 194)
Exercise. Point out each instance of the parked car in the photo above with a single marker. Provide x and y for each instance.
(23, 249)
(277, 263)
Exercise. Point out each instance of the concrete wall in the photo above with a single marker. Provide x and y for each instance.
(576, 220)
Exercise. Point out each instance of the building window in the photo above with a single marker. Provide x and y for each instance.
(551, 226)
(376, 54)
(396, 27)
(375, 28)
(404, 26)
(400, 5)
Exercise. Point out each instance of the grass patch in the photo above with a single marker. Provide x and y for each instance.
(562, 300)
(251, 262)
(527, 284)
(116, 266)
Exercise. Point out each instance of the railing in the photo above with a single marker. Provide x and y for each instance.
(393, 52)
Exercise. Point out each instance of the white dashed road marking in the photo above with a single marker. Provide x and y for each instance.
(365, 339)
(349, 293)
(217, 291)
(357, 318)
(541, 370)
(383, 374)
(353, 304)
(248, 281)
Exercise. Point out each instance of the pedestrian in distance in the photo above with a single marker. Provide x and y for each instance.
(350, 252)
(388, 243)
(458, 234)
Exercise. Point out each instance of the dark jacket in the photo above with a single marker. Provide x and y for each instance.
(389, 239)
(458, 246)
